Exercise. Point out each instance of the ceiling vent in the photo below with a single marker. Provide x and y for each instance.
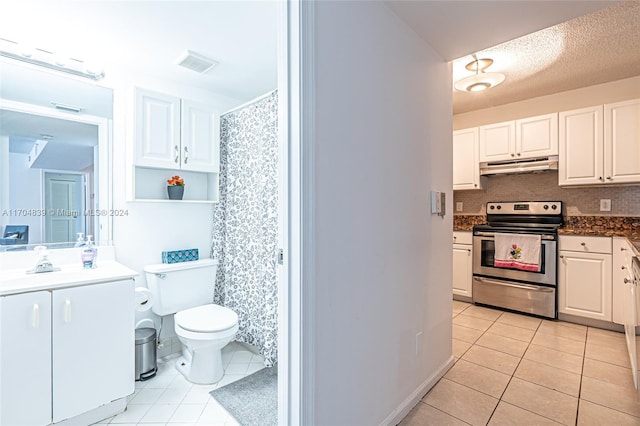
(195, 62)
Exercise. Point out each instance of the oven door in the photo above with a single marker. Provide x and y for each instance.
(529, 298)
(483, 261)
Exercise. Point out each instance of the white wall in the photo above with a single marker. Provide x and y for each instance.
(382, 261)
(30, 179)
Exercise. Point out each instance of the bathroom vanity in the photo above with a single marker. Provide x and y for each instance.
(67, 340)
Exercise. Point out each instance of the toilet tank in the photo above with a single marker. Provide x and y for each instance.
(179, 286)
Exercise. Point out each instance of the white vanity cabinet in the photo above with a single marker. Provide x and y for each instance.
(520, 139)
(462, 265)
(584, 276)
(466, 163)
(65, 351)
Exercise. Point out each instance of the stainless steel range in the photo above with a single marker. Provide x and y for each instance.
(508, 283)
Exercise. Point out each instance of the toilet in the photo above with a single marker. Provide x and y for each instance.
(185, 290)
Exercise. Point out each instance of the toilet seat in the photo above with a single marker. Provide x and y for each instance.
(209, 318)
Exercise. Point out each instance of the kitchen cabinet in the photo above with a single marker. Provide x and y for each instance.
(174, 136)
(584, 277)
(622, 274)
(466, 162)
(462, 265)
(71, 351)
(600, 145)
(520, 139)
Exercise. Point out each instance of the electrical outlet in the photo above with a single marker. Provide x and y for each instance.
(459, 206)
(605, 205)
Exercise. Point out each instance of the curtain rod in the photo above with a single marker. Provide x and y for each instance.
(246, 104)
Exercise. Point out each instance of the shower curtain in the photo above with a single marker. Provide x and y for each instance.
(245, 222)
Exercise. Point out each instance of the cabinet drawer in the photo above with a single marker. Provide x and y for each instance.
(462, 237)
(585, 244)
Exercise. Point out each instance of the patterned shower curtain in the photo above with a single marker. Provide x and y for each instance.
(245, 222)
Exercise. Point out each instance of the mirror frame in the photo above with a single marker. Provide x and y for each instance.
(104, 205)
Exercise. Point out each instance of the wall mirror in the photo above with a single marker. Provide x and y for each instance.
(55, 162)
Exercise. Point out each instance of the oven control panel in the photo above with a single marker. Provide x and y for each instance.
(553, 208)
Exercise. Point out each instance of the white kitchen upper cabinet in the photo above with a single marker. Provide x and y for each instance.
(537, 136)
(466, 169)
(157, 129)
(25, 359)
(622, 142)
(200, 137)
(581, 156)
(584, 284)
(93, 346)
(498, 141)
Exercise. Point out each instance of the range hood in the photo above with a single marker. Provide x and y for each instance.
(528, 165)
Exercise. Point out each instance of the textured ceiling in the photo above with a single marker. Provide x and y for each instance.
(592, 49)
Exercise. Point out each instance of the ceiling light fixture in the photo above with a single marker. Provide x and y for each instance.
(44, 58)
(480, 80)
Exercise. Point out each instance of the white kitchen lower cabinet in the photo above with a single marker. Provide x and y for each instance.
(65, 352)
(622, 273)
(25, 359)
(584, 284)
(462, 265)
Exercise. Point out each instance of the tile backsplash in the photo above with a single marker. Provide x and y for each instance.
(625, 200)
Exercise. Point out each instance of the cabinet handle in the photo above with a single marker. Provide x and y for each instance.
(627, 281)
(583, 244)
(600, 178)
(513, 155)
(186, 155)
(67, 311)
(622, 249)
(609, 177)
(177, 151)
(519, 154)
(36, 316)
(623, 268)
(561, 257)
(469, 251)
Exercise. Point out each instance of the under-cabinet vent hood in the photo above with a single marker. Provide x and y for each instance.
(528, 165)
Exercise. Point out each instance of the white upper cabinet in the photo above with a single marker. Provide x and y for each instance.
(600, 144)
(520, 139)
(172, 133)
(622, 142)
(466, 170)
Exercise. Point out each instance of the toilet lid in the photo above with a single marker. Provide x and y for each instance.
(206, 319)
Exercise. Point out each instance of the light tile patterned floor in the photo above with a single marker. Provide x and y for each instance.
(519, 370)
(169, 399)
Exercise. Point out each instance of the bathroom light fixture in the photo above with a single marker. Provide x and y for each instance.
(195, 62)
(66, 107)
(44, 58)
(480, 80)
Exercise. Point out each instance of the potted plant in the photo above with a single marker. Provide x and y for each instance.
(175, 187)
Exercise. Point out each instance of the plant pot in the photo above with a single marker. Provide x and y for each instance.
(175, 192)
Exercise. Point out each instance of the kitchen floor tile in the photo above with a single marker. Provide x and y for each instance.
(133, 414)
(564, 329)
(522, 321)
(159, 413)
(461, 402)
(492, 359)
(459, 347)
(472, 322)
(482, 312)
(512, 331)
(466, 334)
(459, 306)
(550, 377)
(558, 343)
(620, 398)
(607, 372)
(613, 354)
(553, 358)
(510, 415)
(590, 414)
(503, 344)
(187, 413)
(542, 401)
(426, 415)
(480, 378)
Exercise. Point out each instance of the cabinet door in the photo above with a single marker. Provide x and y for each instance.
(462, 261)
(157, 129)
(537, 136)
(622, 261)
(25, 359)
(584, 284)
(93, 346)
(466, 170)
(498, 141)
(581, 152)
(200, 135)
(622, 142)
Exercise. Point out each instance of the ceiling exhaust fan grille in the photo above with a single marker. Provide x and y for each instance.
(195, 62)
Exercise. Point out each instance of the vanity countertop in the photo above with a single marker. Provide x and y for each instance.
(14, 281)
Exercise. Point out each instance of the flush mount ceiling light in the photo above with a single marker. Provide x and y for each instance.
(481, 80)
(195, 62)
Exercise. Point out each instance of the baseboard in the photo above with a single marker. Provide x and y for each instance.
(414, 398)
(91, 417)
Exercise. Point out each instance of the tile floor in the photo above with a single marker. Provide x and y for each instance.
(169, 399)
(515, 369)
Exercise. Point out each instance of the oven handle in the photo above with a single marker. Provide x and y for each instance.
(492, 234)
(520, 286)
